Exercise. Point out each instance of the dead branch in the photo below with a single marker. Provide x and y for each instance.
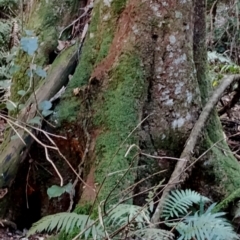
(191, 142)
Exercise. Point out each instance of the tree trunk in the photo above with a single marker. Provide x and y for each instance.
(139, 87)
(146, 70)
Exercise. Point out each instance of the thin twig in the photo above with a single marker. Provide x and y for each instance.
(26, 190)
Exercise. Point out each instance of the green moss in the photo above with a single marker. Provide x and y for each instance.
(229, 199)
(226, 170)
(118, 6)
(95, 49)
(20, 79)
(103, 51)
(225, 167)
(68, 110)
(118, 115)
(83, 209)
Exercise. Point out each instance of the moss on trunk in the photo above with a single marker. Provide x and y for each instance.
(124, 65)
(220, 163)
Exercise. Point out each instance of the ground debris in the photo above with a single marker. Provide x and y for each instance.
(9, 234)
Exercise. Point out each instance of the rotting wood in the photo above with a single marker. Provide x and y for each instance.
(15, 151)
(177, 174)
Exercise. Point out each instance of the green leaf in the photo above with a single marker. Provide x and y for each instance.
(5, 83)
(45, 105)
(40, 72)
(10, 106)
(124, 213)
(66, 222)
(14, 69)
(21, 92)
(152, 233)
(69, 188)
(29, 44)
(21, 106)
(56, 191)
(35, 120)
(179, 201)
(206, 226)
(46, 113)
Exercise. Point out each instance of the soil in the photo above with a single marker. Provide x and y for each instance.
(9, 234)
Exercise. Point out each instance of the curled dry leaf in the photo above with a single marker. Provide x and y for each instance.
(62, 45)
(76, 91)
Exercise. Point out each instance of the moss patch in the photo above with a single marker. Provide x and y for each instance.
(118, 116)
(118, 6)
(95, 48)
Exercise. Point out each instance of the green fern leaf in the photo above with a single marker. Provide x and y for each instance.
(66, 222)
(152, 234)
(124, 213)
(207, 226)
(179, 201)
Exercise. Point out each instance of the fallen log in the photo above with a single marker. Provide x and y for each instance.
(13, 152)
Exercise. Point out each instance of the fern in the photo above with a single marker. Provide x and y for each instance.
(207, 226)
(201, 226)
(125, 213)
(66, 222)
(5, 30)
(179, 201)
(137, 219)
(152, 234)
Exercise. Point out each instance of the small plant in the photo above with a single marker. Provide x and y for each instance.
(199, 225)
(66, 222)
(179, 202)
(206, 226)
(136, 221)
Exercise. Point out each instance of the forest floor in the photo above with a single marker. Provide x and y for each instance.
(9, 234)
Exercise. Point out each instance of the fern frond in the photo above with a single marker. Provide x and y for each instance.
(66, 222)
(152, 234)
(179, 201)
(125, 213)
(207, 226)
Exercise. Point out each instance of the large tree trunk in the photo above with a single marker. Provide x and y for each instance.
(147, 70)
(136, 88)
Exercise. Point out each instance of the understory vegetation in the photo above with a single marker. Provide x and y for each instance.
(184, 213)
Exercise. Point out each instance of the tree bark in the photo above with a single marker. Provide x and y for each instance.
(141, 81)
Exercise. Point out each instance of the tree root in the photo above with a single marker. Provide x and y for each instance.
(177, 174)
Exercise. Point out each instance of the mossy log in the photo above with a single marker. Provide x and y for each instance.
(13, 152)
